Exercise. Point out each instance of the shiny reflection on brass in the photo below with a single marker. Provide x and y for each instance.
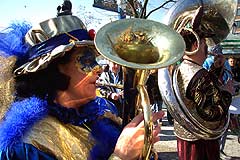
(119, 86)
(143, 45)
(136, 46)
(217, 19)
(139, 43)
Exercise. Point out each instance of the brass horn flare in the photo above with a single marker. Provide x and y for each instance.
(140, 43)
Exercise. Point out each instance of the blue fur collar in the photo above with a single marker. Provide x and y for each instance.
(103, 130)
(23, 115)
(19, 119)
(86, 114)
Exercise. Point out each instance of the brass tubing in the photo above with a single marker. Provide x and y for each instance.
(119, 86)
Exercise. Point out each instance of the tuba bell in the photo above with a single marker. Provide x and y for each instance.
(141, 45)
(215, 17)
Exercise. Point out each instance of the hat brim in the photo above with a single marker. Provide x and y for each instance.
(44, 60)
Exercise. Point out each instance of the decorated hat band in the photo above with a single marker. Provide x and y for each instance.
(51, 39)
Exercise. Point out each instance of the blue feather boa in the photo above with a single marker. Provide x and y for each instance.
(12, 42)
(24, 114)
(104, 131)
(19, 119)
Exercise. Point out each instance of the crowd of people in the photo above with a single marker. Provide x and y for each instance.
(49, 103)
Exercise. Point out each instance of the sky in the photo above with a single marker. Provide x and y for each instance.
(35, 11)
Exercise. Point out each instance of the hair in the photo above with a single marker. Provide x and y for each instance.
(231, 57)
(43, 83)
(190, 38)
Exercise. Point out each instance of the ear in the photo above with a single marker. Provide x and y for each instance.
(66, 68)
(61, 68)
(195, 46)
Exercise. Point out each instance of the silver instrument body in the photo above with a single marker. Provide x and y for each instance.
(218, 17)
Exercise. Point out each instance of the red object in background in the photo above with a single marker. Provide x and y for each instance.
(92, 33)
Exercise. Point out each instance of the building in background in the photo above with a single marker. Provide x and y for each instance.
(231, 45)
(237, 20)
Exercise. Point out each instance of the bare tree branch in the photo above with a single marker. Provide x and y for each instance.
(162, 6)
(143, 10)
(134, 10)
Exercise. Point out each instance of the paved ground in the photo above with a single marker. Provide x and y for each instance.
(167, 145)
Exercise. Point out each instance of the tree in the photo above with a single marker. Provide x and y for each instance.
(140, 11)
(133, 8)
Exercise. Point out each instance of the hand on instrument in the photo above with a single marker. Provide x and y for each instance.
(115, 96)
(130, 143)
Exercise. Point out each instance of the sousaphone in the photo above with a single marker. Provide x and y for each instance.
(215, 17)
(142, 45)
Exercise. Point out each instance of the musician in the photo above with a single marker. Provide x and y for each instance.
(199, 101)
(49, 109)
(201, 91)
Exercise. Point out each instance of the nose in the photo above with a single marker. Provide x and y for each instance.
(97, 70)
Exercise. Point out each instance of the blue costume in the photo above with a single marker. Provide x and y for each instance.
(23, 115)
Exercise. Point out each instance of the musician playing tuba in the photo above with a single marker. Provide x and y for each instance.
(201, 92)
(198, 102)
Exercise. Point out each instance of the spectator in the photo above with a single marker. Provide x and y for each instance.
(234, 67)
(113, 75)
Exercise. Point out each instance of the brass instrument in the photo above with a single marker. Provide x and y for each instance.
(119, 86)
(142, 45)
(210, 16)
(217, 16)
(214, 17)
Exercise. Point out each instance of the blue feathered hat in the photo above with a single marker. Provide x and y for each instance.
(35, 47)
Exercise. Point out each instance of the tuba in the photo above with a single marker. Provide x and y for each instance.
(211, 16)
(215, 17)
(140, 45)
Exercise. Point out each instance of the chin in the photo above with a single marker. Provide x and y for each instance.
(92, 95)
